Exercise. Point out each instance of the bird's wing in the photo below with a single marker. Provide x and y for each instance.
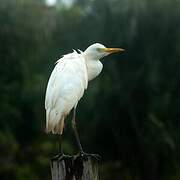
(65, 87)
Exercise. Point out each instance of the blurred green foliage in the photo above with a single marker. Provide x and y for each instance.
(129, 114)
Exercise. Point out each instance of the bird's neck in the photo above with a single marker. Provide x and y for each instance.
(94, 67)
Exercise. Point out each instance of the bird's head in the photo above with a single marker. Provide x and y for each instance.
(97, 51)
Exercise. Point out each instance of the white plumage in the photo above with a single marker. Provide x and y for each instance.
(68, 81)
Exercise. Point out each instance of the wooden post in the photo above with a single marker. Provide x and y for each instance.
(75, 168)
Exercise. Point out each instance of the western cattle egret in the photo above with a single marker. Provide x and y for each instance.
(67, 84)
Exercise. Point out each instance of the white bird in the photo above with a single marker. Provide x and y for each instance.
(67, 84)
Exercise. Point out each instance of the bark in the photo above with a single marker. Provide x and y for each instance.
(75, 168)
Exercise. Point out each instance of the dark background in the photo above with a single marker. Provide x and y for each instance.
(129, 114)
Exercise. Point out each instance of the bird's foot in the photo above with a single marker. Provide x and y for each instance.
(85, 156)
(56, 157)
(61, 157)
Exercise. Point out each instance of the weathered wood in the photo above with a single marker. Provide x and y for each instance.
(75, 168)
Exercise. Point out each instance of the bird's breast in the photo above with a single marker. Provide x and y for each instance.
(94, 68)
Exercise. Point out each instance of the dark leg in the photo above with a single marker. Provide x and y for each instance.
(75, 131)
(60, 145)
(60, 156)
(82, 153)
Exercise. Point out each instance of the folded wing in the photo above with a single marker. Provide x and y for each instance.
(65, 88)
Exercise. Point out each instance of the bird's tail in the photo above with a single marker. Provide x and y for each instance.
(54, 122)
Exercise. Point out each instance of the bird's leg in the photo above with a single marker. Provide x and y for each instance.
(60, 152)
(82, 154)
(61, 155)
(75, 131)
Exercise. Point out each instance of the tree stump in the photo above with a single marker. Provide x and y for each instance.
(75, 168)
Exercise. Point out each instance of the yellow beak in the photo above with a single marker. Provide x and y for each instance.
(112, 50)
